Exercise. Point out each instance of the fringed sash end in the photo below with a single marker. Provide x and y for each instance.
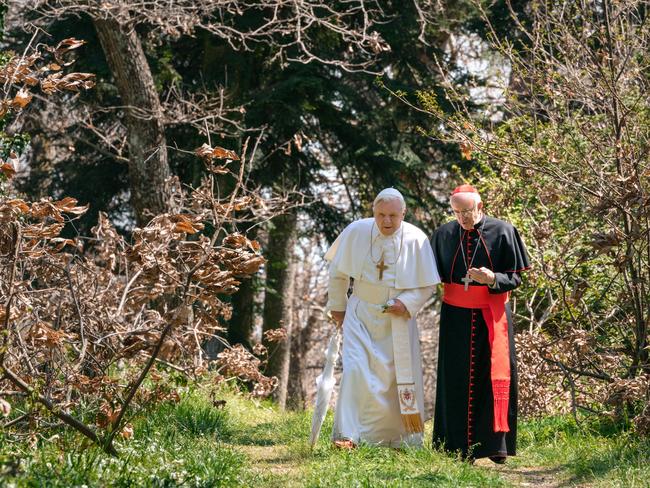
(501, 392)
(413, 423)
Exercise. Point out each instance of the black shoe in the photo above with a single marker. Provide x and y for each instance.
(498, 459)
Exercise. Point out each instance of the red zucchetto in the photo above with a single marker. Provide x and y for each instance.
(464, 189)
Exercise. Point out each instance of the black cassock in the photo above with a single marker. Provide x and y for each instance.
(464, 410)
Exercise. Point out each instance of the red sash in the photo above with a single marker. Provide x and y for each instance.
(493, 307)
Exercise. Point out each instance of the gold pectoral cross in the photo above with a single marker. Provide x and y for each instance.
(381, 267)
(467, 280)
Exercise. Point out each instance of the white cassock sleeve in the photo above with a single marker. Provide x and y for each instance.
(337, 291)
(414, 298)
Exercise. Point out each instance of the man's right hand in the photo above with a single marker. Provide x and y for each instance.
(338, 318)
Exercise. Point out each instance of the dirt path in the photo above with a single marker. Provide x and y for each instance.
(524, 476)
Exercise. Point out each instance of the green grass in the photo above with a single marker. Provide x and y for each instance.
(250, 443)
(367, 467)
(173, 445)
(596, 453)
(328, 467)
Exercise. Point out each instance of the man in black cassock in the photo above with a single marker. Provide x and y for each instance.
(479, 260)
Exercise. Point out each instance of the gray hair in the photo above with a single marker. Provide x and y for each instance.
(473, 196)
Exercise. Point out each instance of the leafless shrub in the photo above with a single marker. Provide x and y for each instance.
(69, 318)
(84, 320)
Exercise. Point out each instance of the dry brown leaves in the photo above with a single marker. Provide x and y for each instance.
(58, 82)
(8, 170)
(21, 74)
(207, 153)
(552, 380)
(240, 363)
(276, 335)
(43, 336)
(83, 312)
(624, 392)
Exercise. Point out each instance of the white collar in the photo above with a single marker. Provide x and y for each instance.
(382, 237)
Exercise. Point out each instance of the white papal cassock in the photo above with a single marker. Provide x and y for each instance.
(368, 407)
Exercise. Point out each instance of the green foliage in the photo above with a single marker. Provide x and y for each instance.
(14, 143)
(342, 118)
(172, 445)
(193, 417)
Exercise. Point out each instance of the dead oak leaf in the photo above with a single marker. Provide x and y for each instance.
(71, 82)
(64, 47)
(206, 152)
(17, 204)
(60, 243)
(8, 170)
(187, 227)
(69, 205)
(22, 98)
(235, 240)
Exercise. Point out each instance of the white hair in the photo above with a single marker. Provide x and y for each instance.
(467, 194)
(389, 195)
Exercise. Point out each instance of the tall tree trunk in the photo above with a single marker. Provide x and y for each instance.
(305, 322)
(148, 166)
(297, 388)
(241, 323)
(278, 298)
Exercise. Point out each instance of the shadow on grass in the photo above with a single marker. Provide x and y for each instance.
(258, 435)
(285, 430)
(632, 456)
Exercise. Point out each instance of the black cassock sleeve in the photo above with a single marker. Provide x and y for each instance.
(505, 282)
(513, 259)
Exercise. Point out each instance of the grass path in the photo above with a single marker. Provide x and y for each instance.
(261, 435)
(553, 454)
(275, 446)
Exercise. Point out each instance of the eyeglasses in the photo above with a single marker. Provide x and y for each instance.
(464, 213)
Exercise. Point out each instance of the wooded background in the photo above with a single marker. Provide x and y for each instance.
(307, 109)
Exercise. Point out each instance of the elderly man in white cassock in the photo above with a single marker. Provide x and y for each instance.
(381, 397)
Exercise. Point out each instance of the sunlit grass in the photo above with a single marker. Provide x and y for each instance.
(251, 443)
(173, 445)
(598, 453)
